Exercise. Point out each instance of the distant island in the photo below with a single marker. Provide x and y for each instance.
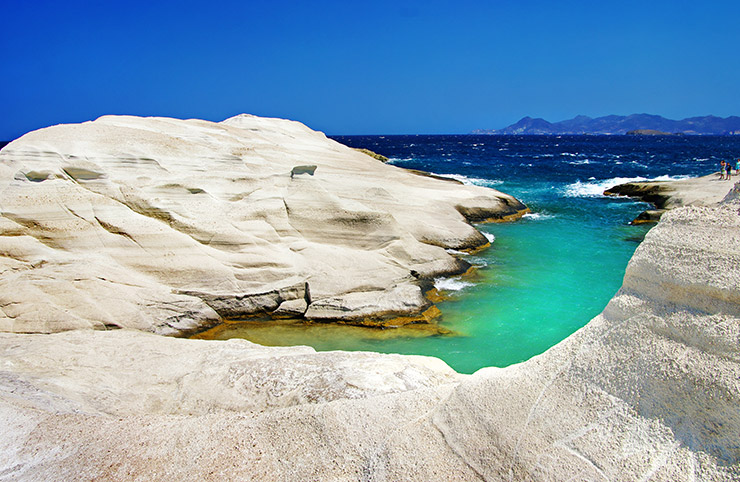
(635, 124)
(651, 132)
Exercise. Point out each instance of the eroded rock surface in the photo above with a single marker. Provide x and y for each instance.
(649, 390)
(167, 225)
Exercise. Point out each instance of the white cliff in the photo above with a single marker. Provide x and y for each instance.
(165, 225)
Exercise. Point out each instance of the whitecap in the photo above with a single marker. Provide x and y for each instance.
(451, 284)
(671, 178)
(490, 237)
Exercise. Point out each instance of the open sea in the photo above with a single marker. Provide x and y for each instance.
(544, 276)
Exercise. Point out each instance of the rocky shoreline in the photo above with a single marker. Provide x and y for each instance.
(185, 223)
(648, 390)
(665, 195)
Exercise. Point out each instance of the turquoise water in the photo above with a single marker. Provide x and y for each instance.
(544, 276)
(538, 283)
(542, 282)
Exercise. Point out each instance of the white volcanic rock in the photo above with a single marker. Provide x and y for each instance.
(696, 191)
(164, 225)
(649, 390)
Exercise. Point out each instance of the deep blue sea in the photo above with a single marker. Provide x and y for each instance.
(544, 276)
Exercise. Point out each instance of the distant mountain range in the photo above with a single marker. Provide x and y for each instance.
(638, 124)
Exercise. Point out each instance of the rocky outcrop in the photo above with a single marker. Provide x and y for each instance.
(648, 390)
(169, 225)
(664, 195)
(372, 154)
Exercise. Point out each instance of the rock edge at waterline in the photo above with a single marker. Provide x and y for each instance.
(647, 391)
(169, 226)
(665, 195)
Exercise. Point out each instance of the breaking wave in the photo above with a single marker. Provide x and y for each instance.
(451, 284)
(538, 216)
(596, 187)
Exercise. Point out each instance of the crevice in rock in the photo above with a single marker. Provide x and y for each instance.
(115, 230)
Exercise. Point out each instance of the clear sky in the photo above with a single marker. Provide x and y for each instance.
(384, 67)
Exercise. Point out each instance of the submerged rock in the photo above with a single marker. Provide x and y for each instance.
(169, 225)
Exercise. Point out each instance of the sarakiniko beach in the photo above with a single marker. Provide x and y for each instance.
(168, 225)
(648, 390)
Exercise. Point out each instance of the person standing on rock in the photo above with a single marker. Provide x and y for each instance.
(728, 168)
(721, 169)
(737, 167)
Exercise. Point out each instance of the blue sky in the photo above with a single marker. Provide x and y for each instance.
(387, 67)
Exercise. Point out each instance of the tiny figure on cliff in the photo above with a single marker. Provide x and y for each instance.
(721, 169)
(728, 167)
(737, 167)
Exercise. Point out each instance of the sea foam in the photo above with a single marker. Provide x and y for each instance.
(538, 216)
(596, 187)
(451, 284)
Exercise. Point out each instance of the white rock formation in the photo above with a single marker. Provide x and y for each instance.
(664, 195)
(647, 391)
(125, 236)
(164, 225)
(695, 191)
